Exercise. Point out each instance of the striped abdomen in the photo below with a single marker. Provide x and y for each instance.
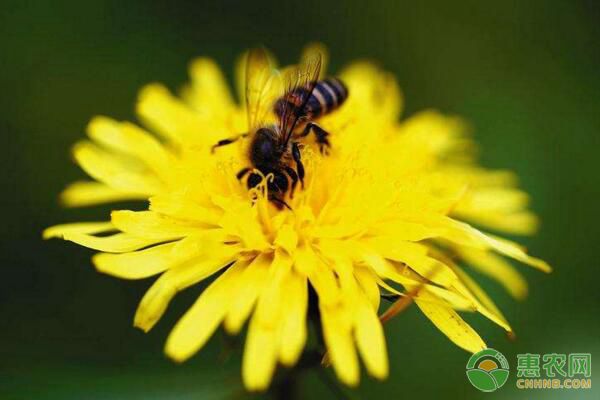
(327, 95)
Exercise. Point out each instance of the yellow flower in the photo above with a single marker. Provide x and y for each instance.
(384, 212)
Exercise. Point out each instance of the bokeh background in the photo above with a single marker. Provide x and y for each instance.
(525, 73)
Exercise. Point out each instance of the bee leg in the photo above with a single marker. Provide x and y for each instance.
(243, 172)
(307, 129)
(279, 203)
(322, 140)
(277, 189)
(280, 182)
(225, 142)
(299, 166)
(321, 135)
(294, 176)
(253, 180)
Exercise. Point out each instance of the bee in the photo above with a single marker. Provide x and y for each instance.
(275, 147)
(326, 96)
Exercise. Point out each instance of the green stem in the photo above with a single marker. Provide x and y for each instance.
(286, 387)
(333, 386)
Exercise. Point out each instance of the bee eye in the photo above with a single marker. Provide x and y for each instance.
(266, 147)
(263, 132)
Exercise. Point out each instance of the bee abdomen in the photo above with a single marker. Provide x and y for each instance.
(327, 95)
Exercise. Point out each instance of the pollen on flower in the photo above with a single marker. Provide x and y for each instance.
(390, 209)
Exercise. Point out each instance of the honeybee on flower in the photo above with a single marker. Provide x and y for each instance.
(387, 211)
(273, 147)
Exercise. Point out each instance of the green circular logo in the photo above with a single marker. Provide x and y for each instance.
(487, 370)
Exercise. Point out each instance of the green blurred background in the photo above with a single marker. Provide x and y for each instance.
(525, 73)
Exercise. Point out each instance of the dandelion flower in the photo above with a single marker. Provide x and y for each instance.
(391, 210)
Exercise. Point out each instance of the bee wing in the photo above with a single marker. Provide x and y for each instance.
(263, 84)
(314, 50)
(299, 82)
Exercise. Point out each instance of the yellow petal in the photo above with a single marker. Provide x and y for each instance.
(269, 307)
(157, 298)
(397, 229)
(431, 129)
(129, 139)
(117, 172)
(464, 234)
(487, 307)
(368, 282)
(340, 345)
(240, 219)
(249, 285)
(440, 295)
(513, 250)
(197, 325)
(208, 243)
(518, 223)
(415, 256)
(491, 313)
(182, 207)
(173, 119)
(497, 199)
(287, 238)
(449, 297)
(81, 194)
(452, 325)
(320, 275)
(370, 340)
(305, 260)
(497, 207)
(90, 228)
(293, 321)
(149, 224)
(118, 243)
(136, 265)
(260, 356)
(209, 90)
(266, 330)
(496, 268)
(372, 91)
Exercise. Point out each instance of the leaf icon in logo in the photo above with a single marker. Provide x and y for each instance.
(500, 375)
(487, 370)
(481, 380)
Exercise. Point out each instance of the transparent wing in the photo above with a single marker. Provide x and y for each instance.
(314, 50)
(263, 85)
(299, 82)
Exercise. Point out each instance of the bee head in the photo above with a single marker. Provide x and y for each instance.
(264, 148)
